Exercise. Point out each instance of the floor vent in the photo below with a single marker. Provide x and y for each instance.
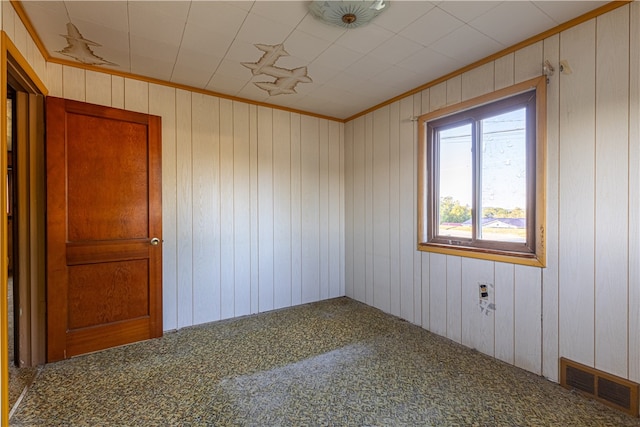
(612, 390)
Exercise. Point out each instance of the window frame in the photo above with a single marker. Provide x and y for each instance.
(532, 252)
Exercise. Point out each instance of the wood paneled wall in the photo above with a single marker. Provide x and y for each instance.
(585, 304)
(252, 198)
(17, 32)
(265, 209)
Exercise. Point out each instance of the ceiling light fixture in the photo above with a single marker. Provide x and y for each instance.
(347, 14)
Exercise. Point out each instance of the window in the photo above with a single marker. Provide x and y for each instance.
(481, 191)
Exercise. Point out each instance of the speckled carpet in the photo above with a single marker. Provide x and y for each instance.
(19, 379)
(333, 363)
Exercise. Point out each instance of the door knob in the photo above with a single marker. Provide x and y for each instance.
(155, 241)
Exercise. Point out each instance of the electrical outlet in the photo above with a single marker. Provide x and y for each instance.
(484, 291)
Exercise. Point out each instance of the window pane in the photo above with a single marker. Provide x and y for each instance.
(503, 177)
(455, 183)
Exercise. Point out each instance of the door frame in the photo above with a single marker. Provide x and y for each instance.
(29, 218)
(19, 70)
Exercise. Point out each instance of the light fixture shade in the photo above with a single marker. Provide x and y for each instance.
(347, 14)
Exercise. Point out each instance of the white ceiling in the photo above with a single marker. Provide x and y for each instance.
(203, 44)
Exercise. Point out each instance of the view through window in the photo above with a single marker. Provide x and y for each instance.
(502, 150)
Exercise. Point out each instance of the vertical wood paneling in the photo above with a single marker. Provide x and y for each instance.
(589, 280)
(265, 208)
(453, 302)
(296, 212)
(422, 276)
(323, 207)
(282, 208)
(184, 209)
(504, 318)
(425, 102)
(98, 88)
(454, 90)
(20, 35)
(136, 95)
(380, 211)
(612, 153)
(241, 209)
(550, 273)
(420, 259)
(336, 211)
(54, 79)
(528, 62)
(253, 177)
(438, 96)
(504, 71)
(581, 198)
(162, 102)
(117, 92)
(478, 81)
(227, 220)
(349, 197)
(228, 169)
(310, 152)
(206, 210)
(394, 208)
(576, 219)
(253, 197)
(407, 212)
(634, 194)
(28, 49)
(8, 19)
(421, 294)
(40, 65)
(438, 294)
(478, 327)
(369, 214)
(528, 295)
(424, 291)
(359, 229)
(342, 213)
(527, 325)
(32, 50)
(73, 84)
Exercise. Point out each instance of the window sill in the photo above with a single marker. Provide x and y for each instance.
(532, 260)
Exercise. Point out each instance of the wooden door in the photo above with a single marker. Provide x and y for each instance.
(104, 228)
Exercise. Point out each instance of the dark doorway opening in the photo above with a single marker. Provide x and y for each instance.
(12, 243)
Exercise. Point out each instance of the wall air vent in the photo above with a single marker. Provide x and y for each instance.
(580, 380)
(614, 391)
